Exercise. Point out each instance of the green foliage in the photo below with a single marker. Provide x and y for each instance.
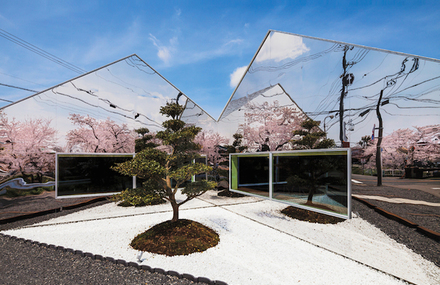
(137, 197)
(149, 163)
(12, 192)
(236, 146)
(365, 141)
(165, 172)
(312, 172)
(198, 186)
(311, 137)
(356, 170)
(144, 140)
(172, 110)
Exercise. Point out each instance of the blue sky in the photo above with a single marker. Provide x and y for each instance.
(196, 45)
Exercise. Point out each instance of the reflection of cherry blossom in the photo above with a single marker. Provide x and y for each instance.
(405, 146)
(27, 145)
(98, 136)
(269, 126)
(210, 143)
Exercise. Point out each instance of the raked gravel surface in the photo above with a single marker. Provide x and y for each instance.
(258, 244)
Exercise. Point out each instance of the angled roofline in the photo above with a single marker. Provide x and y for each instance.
(67, 81)
(102, 67)
(321, 39)
(244, 74)
(174, 86)
(360, 46)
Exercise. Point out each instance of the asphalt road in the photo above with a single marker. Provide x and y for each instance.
(428, 185)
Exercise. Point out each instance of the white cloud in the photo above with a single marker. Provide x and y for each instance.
(163, 52)
(280, 46)
(178, 11)
(237, 75)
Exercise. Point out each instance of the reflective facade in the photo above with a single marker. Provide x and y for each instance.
(339, 84)
(79, 175)
(290, 78)
(317, 180)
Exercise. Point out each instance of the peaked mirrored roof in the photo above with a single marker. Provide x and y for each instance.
(329, 79)
(127, 91)
(324, 79)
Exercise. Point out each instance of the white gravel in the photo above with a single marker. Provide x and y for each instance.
(258, 245)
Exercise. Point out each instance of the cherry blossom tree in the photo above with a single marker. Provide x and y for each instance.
(404, 146)
(99, 136)
(28, 146)
(268, 126)
(210, 142)
(427, 146)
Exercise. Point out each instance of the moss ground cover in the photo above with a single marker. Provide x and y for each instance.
(181, 237)
(309, 216)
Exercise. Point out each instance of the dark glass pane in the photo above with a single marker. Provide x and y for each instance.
(85, 175)
(253, 175)
(318, 181)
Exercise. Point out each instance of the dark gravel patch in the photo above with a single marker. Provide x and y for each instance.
(417, 242)
(27, 263)
(44, 206)
(394, 192)
(11, 207)
(425, 216)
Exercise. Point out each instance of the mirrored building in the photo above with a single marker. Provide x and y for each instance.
(340, 85)
(290, 78)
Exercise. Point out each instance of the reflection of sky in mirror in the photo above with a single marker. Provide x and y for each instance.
(127, 91)
(194, 115)
(310, 71)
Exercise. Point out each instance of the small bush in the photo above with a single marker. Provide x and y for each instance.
(137, 197)
(356, 170)
(12, 192)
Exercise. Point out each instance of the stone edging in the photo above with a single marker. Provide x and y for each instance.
(120, 261)
(427, 232)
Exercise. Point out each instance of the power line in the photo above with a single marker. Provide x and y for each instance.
(12, 86)
(40, 51)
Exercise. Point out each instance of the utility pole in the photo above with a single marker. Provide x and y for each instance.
(347, 79)
(343, 93)
(379, 142)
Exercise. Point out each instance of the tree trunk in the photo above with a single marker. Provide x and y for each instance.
(310, 197)
(40, 177)
(175, 211)
(379, 142)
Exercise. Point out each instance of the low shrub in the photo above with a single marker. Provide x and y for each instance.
(12, 192)
(137, 197)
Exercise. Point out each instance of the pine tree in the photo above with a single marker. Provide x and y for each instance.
(311, 137)
(312, 172)
(169, 167)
